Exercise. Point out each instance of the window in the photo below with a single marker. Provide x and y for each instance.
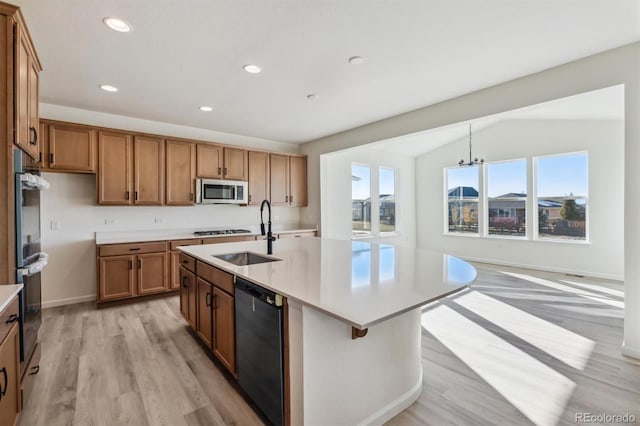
(360, 200)
(387, 200)
(373, 214)
(561, 189)
(507, 198)
(462, 200)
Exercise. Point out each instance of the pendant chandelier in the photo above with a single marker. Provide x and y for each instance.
(471, 162)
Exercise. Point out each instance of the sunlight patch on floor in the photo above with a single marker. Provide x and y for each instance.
(599, 288)
(567, 289)
(538, 391)
(564, 345)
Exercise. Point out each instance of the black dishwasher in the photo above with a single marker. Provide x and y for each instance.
(259, 356)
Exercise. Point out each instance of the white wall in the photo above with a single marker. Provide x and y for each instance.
(609, 68)
(336, 192)
(71, 274)
(603, 256)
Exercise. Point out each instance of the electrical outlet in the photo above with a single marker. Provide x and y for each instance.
(110, 221)
(54, 225)
(159, 219)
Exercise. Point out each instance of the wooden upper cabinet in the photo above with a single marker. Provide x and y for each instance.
(27, 69)
(71, 148)
(149, 161)
(298, 181)
(181, 173)
(235, 163)
(209, 161)
(114, 169)
(279, 179)
(258, 177)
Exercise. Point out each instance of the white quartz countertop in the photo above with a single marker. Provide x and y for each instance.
(358, 282)
(138, 236)
(7, 293)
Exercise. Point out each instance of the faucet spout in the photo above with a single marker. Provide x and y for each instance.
(268, 233)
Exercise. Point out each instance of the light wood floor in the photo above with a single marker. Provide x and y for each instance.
(521, 347)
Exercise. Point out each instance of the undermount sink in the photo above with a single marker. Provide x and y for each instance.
(244, 258)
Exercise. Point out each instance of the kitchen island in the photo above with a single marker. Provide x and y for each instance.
(353, 320)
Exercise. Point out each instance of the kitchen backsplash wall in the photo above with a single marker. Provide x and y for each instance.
(70, 219)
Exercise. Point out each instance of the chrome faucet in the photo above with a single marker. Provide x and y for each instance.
(270, 237)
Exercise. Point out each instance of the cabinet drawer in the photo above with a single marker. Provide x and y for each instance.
(192, 242)
(30, 374)
(133, 248)
(8, 317)
(233, 239)
(215, 276)
(187, 262)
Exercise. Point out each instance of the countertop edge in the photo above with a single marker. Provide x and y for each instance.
(14, 290)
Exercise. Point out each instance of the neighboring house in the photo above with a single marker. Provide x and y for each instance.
(361, 209)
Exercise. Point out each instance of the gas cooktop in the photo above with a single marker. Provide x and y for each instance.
(222, 232)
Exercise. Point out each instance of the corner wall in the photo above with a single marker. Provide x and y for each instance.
(602, 256)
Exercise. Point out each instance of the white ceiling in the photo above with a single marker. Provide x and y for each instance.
(603, 104)
(187, 53)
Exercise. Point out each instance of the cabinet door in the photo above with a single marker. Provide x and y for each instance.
(188, 293)
(115, 167)
(205, 314)
(224, 345)
(279, 179)
(148, 171)
(298, 181)
(209, 161)
(9, 379)
(34, 121)
(258, 176)
(174, 280)
(152, 273)
(72, 148)
(181, 173)
(22, 91)
(116, 277)
(235, 164)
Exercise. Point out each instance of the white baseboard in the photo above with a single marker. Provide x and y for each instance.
(68, 301)
(590, 274)
(630, 352)
(396, 406)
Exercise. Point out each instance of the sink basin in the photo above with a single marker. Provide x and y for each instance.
(244, 258)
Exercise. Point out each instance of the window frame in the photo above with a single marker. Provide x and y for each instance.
(374, 194)
(480, 225)
(485, 196)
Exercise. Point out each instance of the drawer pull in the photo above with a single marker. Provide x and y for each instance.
(13, 318)
(134, 249)
(3, 390)
(34, 370)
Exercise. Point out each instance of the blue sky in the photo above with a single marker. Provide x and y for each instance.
(556, 176)
(360, 190)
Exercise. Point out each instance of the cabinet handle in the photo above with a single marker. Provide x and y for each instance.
(34, 370)
(34, 141)
(51, 158)
(136, 195)
(134, 249)
(3, 391)
(126, 195)
(185, 262)
(184, 282)
(219, 170)
(40, 161)
(291, 198)
(286, 198)
(139, 264)
(13, 318)
(213, 298)
(208, 300)
(130, 265)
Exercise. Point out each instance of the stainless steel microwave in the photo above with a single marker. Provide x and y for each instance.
(215, 191)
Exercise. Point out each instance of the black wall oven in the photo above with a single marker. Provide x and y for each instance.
(30, 260)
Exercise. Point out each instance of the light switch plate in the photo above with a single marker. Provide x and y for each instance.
(54, 225)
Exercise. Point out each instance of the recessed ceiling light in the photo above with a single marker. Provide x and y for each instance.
(206, 108)
(356, 60)
(117, 24)
(108, 88)
(253, 69)
(312, 96)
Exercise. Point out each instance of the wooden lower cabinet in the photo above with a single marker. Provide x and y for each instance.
(224, 342)
(174, 278)
(188, 294)
(10, 377)
(122, 275)
(205, 312)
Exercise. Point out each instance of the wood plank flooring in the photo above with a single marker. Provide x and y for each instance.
(488, 355)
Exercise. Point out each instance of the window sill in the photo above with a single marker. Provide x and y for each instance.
(537, 240)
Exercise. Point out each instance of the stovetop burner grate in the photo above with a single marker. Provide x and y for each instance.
(222, 232)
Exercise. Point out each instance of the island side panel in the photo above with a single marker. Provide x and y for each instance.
(361, 381)
(296, 382)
